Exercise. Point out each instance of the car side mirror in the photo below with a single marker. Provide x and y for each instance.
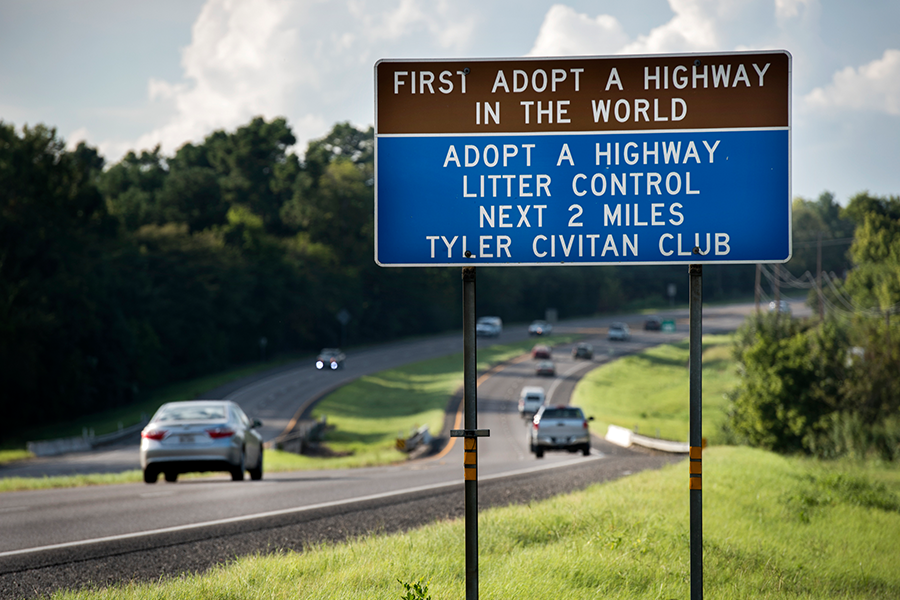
(590, 418)
(256, 424)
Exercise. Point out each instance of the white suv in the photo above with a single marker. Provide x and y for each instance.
(531, 399)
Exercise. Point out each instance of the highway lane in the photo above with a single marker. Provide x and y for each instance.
(276, 396)
(51, 517)
(50, 529)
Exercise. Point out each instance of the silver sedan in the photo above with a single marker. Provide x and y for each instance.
(201, 435)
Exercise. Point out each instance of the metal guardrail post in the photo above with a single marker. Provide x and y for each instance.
(696, 434)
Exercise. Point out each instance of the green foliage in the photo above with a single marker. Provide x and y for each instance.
(417, 590)
(159, 268)
(792, 373)
(818, 220)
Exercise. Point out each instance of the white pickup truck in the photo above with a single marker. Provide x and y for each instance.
(560, 428)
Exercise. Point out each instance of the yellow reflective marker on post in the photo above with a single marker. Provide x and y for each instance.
(695, 468)
(470, 460)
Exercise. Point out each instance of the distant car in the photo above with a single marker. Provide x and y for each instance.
(199, 436)
(619, 332)
(653, 323)
(583, 350)
(489, 326)
(781, 306)
(531, 398)
(540, 351)
(560, 428)
(330, 359)
(540, 328)
(545, 368)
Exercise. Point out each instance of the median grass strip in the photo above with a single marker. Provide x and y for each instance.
(366, 417)
(649, 391)
(774, 528)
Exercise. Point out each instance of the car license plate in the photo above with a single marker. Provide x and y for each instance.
(186, 439)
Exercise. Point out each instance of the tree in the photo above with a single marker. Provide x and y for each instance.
(131, 187)
(792, 375)
(254, 168)
(57, 348)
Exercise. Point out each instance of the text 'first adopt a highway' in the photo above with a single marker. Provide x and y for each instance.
(583, 161)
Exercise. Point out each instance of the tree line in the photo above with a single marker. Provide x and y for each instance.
(117, 279)
(829, 387)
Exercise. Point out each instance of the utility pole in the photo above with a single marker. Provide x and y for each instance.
(819, 278)
(756, 289)
(777, 290)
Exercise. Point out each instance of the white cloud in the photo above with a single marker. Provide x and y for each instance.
(874, 86)
(310, 61)
(79, 135)
(697, 26)
(565, 32)
(694, 28)
(234, 69)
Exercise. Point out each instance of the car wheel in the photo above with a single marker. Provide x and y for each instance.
(237, 473)
(538, 452)
(171, 476)
(150, 475)
(257, 471)
(586, 450)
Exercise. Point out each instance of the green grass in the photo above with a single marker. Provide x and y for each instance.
(8, 456)
(651, 390)
(774, 528)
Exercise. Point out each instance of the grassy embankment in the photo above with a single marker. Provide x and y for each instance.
(649, 391)
(365, 417)
(774, 528)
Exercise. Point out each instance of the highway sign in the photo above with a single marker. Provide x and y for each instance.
(674, 159)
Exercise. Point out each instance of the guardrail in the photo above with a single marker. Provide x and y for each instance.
(298, 440)
(627, 438)
(86, 442)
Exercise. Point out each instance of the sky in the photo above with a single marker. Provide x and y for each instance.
(130, 75)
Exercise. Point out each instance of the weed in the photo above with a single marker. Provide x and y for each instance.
(417, 590)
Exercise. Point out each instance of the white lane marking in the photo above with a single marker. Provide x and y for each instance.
(559, 380)
(284, 511)
(14, 509)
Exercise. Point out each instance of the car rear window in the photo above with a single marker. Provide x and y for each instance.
(562, 413)
(192, 413)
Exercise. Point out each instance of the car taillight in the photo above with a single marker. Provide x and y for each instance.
(220, 432)
(535, 424)
(584, 425)
(154, 434)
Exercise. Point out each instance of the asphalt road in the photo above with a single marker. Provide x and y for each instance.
(67, 538)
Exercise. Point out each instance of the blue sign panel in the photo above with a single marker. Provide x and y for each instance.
(658, 197)
(669, 159)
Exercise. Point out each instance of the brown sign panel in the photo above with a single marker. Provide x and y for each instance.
(583, 94)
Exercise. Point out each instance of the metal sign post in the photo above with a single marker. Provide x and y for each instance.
(471, 433)
(696, 434)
